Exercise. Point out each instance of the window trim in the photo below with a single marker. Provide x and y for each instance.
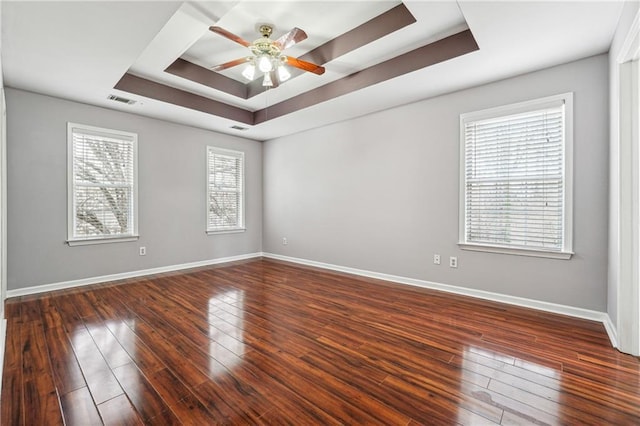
(78, 241)
(229, 152)
(522, 107)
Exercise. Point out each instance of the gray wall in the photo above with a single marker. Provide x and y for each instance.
(380, 193)
(171, 169)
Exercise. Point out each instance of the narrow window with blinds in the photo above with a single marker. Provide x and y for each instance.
(225, 190)
(102, 175)
(516, 165)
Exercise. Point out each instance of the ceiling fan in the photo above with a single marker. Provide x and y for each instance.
(266, 55)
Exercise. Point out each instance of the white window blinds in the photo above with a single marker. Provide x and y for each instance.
(515, 178)
(225, 190)
(102, 183)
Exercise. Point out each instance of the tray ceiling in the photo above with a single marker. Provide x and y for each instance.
(377, 54)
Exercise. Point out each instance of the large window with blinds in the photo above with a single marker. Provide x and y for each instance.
(225, 190)
(516, 178)
(102, 185)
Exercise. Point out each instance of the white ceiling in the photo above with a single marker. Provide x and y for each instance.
(208, 49)
(79, 50)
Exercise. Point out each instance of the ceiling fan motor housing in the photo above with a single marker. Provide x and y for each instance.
(264, 45)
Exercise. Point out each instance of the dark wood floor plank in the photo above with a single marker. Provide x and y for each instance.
(79, 409)
(184, 347)
(146, 359)
(433, 408)
(203, 359)
(268, 342)
(99, 377)
(213, 397)
(42, 407)
(242, 396)
(439, 378)
(275, 417)
(180, 400)
(279, 396)
(320, 394)
(119, 412)
(143, 396)
(40, 398)
(30, 311)
(51, 318)
(12, 410)
(167, 353)
(12, 309)
(67, 311)
(67, 374)
(113, 353)
(396, 399)
(345, 391)
(13, 346)
(83, 305)
(250, 392)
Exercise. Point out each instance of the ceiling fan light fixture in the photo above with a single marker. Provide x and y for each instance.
(266, 55)
(267, 80)
(283, 73)
(264, 64)
(249, 72)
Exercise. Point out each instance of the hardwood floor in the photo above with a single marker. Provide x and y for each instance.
(266, 342)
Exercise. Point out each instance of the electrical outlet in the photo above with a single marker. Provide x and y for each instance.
(436, 259)
(143, 251)
(284, 241)
(453, 262)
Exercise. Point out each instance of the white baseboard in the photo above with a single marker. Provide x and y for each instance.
(612, 331)
(480, 294)
(114, 277)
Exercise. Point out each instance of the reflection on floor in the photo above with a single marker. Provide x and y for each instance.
(266, 342)
(226, 337)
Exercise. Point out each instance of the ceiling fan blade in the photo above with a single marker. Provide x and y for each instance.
(230, 64)
(230, 36)
(304, 65)
(294, 36)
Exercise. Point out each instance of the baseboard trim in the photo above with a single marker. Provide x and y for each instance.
(114, 277)
(479, 294)
(612, 331)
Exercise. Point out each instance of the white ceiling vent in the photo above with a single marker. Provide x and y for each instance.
(121, 99)
(239, 128)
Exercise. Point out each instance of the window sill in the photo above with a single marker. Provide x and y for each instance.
(88, 241)
(227, 231)
(516, 251)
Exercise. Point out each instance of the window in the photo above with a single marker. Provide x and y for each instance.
(102, 179)
(225, 190)
(516, 178)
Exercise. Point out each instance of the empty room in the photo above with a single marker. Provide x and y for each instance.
(320, 212)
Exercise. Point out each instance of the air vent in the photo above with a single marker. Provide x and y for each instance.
(121, 99)
(239, 128)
